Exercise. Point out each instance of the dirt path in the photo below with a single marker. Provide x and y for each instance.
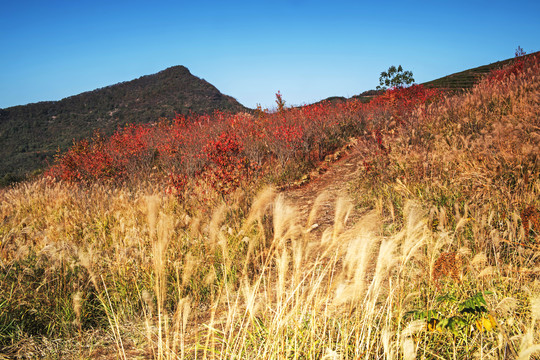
(334, 181)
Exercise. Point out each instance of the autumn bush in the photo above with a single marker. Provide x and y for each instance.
(229, 149)
(473, 154)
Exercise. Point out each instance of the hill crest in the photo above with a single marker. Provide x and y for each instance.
(32, 134)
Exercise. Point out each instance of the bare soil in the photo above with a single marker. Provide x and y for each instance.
(333, 178)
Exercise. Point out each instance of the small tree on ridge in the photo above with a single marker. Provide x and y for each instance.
(395, 77)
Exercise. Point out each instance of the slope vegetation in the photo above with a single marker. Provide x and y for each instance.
(31, 134)
(404, 228)
(465, 80)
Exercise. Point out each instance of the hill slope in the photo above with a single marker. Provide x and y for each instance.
(436, 252)
(463, 80)
(31, 134)
(468, 78)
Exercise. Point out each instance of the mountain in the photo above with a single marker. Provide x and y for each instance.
(466, 79)
(30, 135)
(459, 81)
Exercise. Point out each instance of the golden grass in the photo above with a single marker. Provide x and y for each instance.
(213, 294)
(133, 273)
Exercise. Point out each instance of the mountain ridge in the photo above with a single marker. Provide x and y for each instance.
(466, 79)
(32, 134)
(459, 81)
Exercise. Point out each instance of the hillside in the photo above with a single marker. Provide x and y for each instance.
(32, 134)
(403, 228)
(463, 80)
(466, 79)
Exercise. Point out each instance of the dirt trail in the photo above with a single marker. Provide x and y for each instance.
(335, 182)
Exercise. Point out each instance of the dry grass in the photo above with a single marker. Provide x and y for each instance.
(163, 284)
(99, 272)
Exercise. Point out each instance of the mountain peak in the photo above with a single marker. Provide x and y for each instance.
(32, 134)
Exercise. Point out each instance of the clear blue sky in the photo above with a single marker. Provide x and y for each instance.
(308, 50)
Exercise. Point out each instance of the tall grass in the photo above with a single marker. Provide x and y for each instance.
(162, 283)
(440, 264)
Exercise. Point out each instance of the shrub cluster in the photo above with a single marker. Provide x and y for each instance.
(227, 150)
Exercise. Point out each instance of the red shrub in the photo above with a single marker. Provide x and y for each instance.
(226, 150)
(228, 166)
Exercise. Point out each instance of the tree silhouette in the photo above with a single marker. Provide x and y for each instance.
(395, 77)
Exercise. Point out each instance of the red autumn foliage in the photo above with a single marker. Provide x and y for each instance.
(227, 150)
(515, 68)
(399, 103)
(228, 166)
(224, 150)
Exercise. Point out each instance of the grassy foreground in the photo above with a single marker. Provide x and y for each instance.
(443, 264)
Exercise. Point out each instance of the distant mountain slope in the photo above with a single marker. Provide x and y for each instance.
(31, 134)
(464, 80)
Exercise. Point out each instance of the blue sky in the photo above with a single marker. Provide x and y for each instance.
(309, 50)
